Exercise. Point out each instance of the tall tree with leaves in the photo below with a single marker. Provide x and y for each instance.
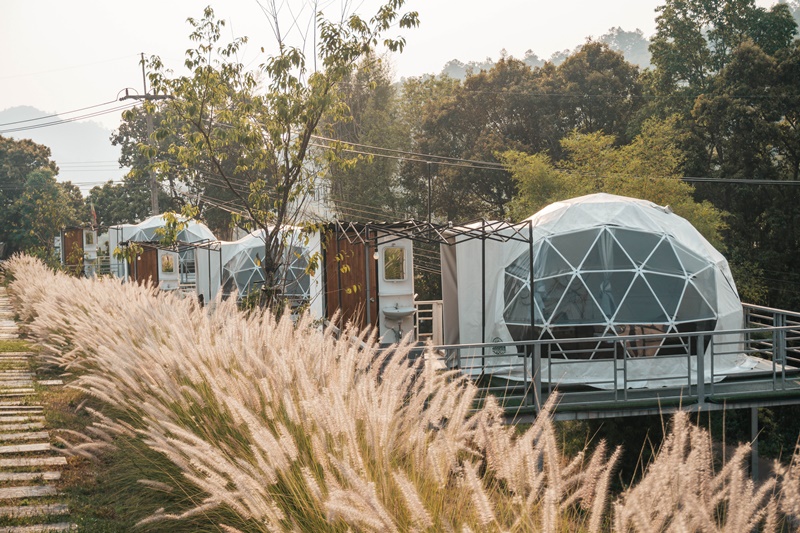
(515, 107)
(695, 39)
(17, 160)
(649, 168)
(220, 106)
(366, 188)
(39, 214)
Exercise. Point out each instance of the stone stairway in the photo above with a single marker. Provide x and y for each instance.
(29, 466)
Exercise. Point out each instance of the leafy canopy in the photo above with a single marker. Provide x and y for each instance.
(251, 132)
(647, 168)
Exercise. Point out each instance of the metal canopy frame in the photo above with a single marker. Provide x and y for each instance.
(433, 233)
(369, 233)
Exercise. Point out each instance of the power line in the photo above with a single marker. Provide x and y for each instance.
(743, 181)
(57, 114)
(416, 154)
(71, 119)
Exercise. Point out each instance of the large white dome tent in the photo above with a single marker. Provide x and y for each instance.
(603, 265)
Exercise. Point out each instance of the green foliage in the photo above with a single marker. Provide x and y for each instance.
(39, 213)
(365, 186)
(128, 252)
(124, 203)
(514, 107)
(647, 168)
(251, 132)
(175, 223)
(695, 38)
(17, 160)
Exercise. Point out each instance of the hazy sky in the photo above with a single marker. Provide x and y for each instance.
(60, 56)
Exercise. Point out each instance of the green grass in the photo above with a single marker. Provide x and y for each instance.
(104, 495)
(15, 345)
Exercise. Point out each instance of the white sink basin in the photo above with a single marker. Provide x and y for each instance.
(397, 313)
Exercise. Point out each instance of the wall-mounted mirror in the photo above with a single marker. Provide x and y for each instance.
(394, 264)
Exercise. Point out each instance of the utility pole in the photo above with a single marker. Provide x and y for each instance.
(154, 210)
(430, 192)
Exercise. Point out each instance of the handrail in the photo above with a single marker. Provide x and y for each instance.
(534, 367)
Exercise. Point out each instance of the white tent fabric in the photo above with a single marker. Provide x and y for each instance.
(235, 267)
(604, 265)
(194, 231)
(146, 231)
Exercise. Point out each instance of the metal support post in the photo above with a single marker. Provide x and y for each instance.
(701, 370)
(754, 443)
(536, 370)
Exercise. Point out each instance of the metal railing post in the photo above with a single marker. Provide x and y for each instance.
(536, 370)
(525, 381)
(781, 347)
(712, 353)
(701, 372)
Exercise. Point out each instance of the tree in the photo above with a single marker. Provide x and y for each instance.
(647, 168)
(600, 90)
(743, 129)
(124, 203)
(727, 68)
(515, 107)
(135, 148)
(367, 187)
(39, 214)
(220, 113)
(80, 207)
(631, 44)
(694, 39)
(17, 160)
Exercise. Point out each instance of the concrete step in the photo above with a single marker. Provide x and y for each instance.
(29, 435)
(30, 476)
(41, 528)
(17, 462)
(29, 511)
(26, 448)
(21, 427)
(30, 417)
(27, 491)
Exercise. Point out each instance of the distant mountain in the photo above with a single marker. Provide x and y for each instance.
(82, 150)
(632, 44)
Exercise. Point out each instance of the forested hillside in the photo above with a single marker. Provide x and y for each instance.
(719, 108)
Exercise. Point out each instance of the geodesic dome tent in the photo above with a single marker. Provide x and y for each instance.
(194, 231)
(603, 265)
(236, 268)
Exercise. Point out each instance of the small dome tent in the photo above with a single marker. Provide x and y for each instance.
(242, 271)
(236, 268)
(194, 231)
(603, 265)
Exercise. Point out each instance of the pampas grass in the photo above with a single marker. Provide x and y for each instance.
(294, 430)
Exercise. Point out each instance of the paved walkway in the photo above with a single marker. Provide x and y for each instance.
(28, 463)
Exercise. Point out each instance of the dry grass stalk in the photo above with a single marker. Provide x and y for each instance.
(294, 430)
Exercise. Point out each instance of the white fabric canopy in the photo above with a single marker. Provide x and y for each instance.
(145, 231)
(194, 231)
(235, 267)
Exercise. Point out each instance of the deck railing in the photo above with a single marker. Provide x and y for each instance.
(614, 373)
(428, 323)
